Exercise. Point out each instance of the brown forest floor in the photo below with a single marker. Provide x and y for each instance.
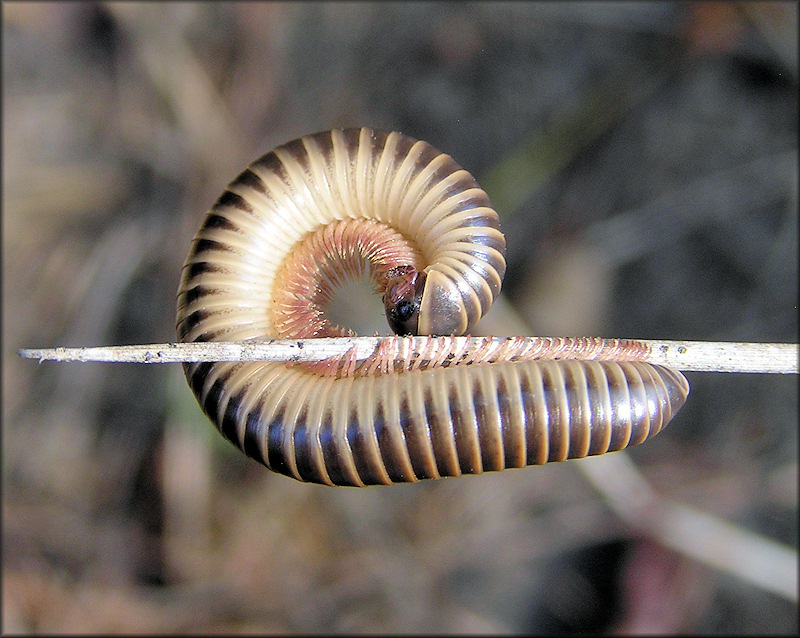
(643, 158)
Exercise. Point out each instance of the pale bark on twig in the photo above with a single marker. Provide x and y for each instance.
(698, 356)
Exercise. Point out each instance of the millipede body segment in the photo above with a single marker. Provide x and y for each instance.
(342, 204)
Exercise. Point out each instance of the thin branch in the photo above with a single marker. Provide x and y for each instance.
(698, 356)
(705, 537)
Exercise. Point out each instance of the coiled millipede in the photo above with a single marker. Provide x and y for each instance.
(336, 205)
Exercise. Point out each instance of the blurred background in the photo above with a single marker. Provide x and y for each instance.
(643, 159)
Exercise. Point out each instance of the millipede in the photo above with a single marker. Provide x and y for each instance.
(349, 203)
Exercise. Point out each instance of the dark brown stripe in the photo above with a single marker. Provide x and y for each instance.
(388, 447)
(620, 414)
(352, 137)
(188, 323)
(302, 449)
(479, 239)
(253, 443)
(639, 403)
(227, 425)
(578, 434)
(202, 245)
(461, 433)
(416, 437)
(477, 200)
(212, 398)
(215, 220)
(276, 456)
(212, 335)
(443, 172)
(556, 429)
(251, 180)
(491, 454)
(270, 163)
(202, 267)
(533, 436)
(332, 453)
(363, 455)
(439, 429)
(513, 453)
(426, 156)
(195, 292)
(196, 374)
(297, 150)
(476, 218)
(324, 141)
(597, 382)
(232, 200)
(457, 186)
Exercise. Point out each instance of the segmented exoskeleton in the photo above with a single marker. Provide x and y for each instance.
(327, 207)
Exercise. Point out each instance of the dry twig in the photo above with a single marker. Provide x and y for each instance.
(698, 356)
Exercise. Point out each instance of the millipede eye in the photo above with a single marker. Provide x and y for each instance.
(403, 317)
(404, 311)
(402, 298)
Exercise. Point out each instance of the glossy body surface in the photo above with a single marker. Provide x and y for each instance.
(327, 207)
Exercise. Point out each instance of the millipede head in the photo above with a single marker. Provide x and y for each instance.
(402, 298)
